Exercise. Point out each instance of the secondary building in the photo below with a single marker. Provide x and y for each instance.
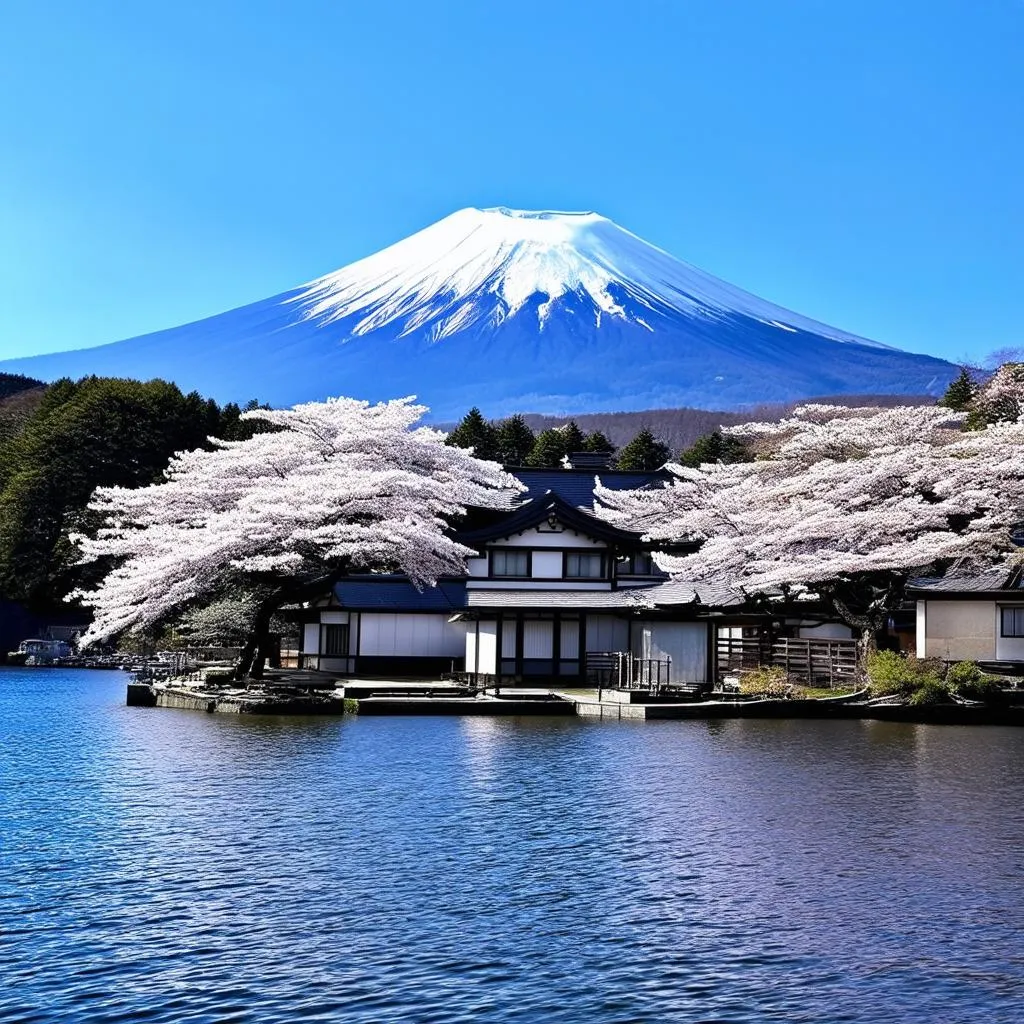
(972, 618)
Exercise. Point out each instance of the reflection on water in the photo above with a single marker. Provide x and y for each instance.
(170, 866)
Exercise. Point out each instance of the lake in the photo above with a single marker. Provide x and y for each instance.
(161, 865)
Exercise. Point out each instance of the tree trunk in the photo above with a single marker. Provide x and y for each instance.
(868, 623)
(254, 653)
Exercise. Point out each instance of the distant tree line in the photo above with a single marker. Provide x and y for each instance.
(514, 443)
(75, 436)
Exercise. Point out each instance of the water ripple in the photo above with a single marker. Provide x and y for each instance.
(178, 867)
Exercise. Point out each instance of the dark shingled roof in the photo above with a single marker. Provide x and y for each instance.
(397, 594)
(576, 486)
(1001, 578)
(589, 599)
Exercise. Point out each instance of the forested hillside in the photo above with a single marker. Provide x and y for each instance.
(58, 443)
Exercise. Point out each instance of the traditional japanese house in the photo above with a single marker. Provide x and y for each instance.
(976, 618)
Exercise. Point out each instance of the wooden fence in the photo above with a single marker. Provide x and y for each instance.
(811, 661)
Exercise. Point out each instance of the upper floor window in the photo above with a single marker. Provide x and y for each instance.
(584, 565)
(635, 565)
(510, 562)
(1013, 622)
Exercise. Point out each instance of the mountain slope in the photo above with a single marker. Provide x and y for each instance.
(513, 310)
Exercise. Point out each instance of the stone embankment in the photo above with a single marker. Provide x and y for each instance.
(296, 693)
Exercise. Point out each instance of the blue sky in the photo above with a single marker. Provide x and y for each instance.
(862, 163)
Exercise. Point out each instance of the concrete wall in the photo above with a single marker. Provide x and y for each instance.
(957, 630)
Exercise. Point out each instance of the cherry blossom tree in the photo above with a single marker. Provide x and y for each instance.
(847, 503)
(334, 486)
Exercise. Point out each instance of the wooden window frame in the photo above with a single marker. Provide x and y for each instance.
(491, 574)
(569, 553)
(1018, 614)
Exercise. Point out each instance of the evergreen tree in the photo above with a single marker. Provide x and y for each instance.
(573, 438)
(960, 393)
(597, 442)
(515, 441)
(476, 433)
(644, 452)
(714, 447)
(548, 450)
(93, 432)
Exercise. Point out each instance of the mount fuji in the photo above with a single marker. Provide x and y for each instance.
(512, 311)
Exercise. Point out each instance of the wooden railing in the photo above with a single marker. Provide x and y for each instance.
(621, 670)
(814, 661)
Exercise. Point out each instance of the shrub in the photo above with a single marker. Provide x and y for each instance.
(765, 682)
(893, 674)
(966, 680)
(932, 691)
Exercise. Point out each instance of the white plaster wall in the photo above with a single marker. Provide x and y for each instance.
(686, 643)
(514, 584)
(388, 634)
(476, 566)
(1008, 648)
(311, 638)
(541, 539)
(922, 634)
(607, 633)
(334, 618)
(547, 565)
(960, 630)
(485, 642)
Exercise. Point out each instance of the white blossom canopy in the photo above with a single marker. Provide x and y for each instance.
(339, 483)
(836, 493)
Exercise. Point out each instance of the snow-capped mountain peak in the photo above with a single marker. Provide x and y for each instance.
(481, 267)
(512, 311)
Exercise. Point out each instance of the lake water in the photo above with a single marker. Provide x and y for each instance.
(161, 865)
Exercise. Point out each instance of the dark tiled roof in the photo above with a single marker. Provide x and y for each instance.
(397, 594)
(534, 512)
(677, 592)
(1002, 578)
(576, 486)
(591, 599)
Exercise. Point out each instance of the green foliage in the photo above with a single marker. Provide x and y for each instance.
(966, 680)
(573, 438)
(771, 683)
(891, 674)
(714, 447)
(13, 383)
(644, 452)
(77, 437)
(960, 393)
(515, 441)
(476, 433)
(599, 444)
(548, 450)
(931, 690)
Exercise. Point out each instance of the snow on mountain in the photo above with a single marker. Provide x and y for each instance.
(513, 310)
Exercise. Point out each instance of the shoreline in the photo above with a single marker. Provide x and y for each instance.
(412, 699)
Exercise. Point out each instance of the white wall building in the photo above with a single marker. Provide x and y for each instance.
(979, 618)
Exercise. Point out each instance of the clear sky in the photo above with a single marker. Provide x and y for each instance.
(859, 162)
